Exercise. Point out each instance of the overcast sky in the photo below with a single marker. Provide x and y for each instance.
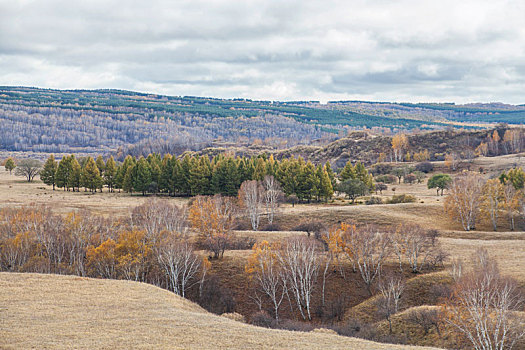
(381, 50)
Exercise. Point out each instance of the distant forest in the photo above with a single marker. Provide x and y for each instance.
(104, 121)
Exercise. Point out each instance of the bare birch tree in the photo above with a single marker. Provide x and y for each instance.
(368, 247)
(391, 289)
(179, 262)
(464, 198)
(483, 307)
(272, 195)
(300, 262)
(268, 275)
(251, 197)
(414, 245)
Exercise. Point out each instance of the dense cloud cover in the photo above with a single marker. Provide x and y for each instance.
(407, 50)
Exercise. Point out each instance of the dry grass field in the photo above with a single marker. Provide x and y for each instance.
(65, 312)
(39, 311)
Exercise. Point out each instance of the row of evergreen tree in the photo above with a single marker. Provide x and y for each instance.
(197, 175)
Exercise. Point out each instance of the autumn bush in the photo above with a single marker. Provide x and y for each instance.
(401, 198)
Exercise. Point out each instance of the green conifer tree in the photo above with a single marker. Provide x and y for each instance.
(75, 174)
(9, 165)
(109, 173)
(141, 176)
(49, 172)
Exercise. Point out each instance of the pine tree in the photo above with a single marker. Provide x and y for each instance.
(109, 173)
(201, 176)
(91, 178)
(141, 176)
(325, 189)
(9, 165)
(101, 165)
(166, 171)
(184, 175)
(331, 174)
(127, 182)
(260, 170)
(49, 172)
(63, 172)
(348, 172)
(75, 174)
(363, 175)
(128, 163)
(307, 181)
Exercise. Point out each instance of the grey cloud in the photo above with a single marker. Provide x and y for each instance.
(401, 50)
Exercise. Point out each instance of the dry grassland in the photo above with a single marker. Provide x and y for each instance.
(64, 312)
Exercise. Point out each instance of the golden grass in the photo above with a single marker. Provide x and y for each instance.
(64, 312)
(510, 254)
(14, 191)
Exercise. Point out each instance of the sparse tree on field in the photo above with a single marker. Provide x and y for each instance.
(426, 317)
(464, 198)
(9, 165)
(251, 196)
(439, 182)
(483, 307)
(300, 261)
(63, 172)
(267, 274)
(28, 168)
(399, 173)
(49, 172)
(353, 188)
(212, 218)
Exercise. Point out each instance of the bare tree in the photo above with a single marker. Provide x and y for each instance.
(251, 198)
(464, 198)
(483, 307)
(368, 247)
(415, 245)
(511, 200)
(28, 168)
(179, 262)
(212, 218)
(268, 275)
(491, 201)
(391, 289)
(155, 216)
(426, 317)
(457, 269)
(272, 196)
(300, 262)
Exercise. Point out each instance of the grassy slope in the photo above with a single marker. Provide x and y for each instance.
(52, 311)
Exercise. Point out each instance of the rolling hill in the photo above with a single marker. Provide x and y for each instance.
(63, 312)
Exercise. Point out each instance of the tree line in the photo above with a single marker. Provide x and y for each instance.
(193, 175)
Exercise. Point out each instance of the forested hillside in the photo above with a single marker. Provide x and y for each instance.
(95, 121)
(43, 120)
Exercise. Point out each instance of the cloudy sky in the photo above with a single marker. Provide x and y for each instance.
(381, 50)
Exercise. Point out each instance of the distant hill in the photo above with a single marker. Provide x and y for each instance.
(66, 312)
(102, 121)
